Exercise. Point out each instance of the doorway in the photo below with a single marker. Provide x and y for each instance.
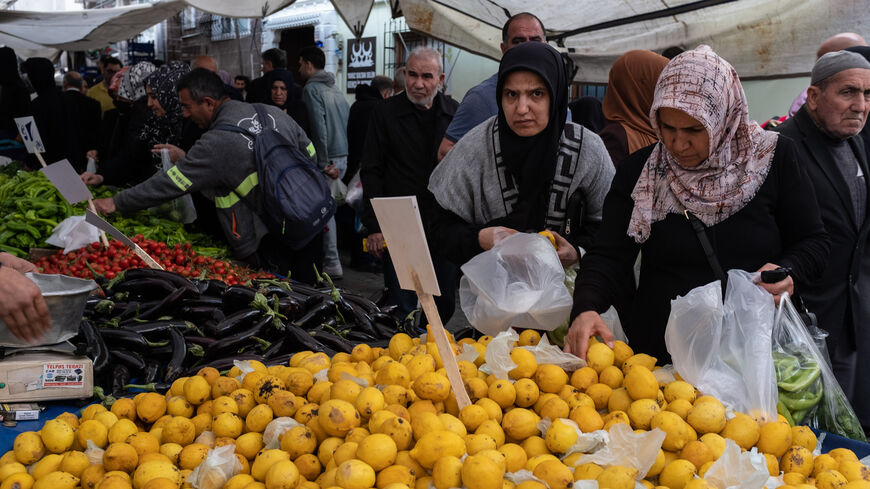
(293, 40)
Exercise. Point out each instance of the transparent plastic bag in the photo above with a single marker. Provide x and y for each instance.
(737, 469)
(275, 430)
(808, 391)
(498, 354)
(354, 196)
(628, 449)
(723, 349)
(586, 442)
(183, 209)
(73, 233)
(219, 466)
(518, 283)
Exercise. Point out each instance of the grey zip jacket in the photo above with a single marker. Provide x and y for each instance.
(327, 113)
(221, 165)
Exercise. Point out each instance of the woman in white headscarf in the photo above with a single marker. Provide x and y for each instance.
(742, 183)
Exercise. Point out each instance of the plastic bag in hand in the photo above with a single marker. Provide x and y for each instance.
(808, 391)
(737, 469)
(723, 349)
(518, 283)
(73, 233)
(498, 355)
(219, 466)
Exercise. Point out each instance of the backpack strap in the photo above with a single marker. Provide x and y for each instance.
(701, 231)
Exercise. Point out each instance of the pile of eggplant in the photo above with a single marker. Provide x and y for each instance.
(155, 326)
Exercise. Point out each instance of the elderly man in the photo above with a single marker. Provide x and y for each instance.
(399, 156)
(838, 101)
(479, 104)
(837, 42)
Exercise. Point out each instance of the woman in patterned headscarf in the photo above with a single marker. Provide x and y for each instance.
(742, 183)
(166, 124)
(127, 159)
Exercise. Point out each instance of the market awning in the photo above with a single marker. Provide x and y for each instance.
(46, 33)
(760, 38)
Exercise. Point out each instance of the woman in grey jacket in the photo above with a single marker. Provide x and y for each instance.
(518, 171)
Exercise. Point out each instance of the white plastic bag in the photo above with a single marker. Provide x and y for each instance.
(219, 466)
(275, 430)
(183, 209)
(724, 349)
(737, 469)
(73, 233)
(354, 196)
(586, 442)
(518, 283)
(628, 449)
(498, 354)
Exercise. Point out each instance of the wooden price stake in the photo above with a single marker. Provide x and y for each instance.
(399, 219)
(93, 218)
(63, 180)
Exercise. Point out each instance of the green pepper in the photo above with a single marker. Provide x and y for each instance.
(800, 380)
(802, 400)
(785, 365)
(781, 409)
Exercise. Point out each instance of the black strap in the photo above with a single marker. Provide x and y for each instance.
(701, 231)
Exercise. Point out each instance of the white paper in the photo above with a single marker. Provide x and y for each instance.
(65, 179)
(30, 134)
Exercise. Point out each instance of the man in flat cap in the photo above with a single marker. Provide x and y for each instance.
(838, 101)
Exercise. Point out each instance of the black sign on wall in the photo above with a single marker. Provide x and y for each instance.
(360, 61)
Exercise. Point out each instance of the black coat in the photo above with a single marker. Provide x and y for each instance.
(85, 116)
(127, 160)
(367, 98)
(840, 297)
(399, 155)
(779, 225)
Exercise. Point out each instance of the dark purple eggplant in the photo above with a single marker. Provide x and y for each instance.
(147, 288)
(131, 359)
(297, 339)
(237, 297)
(315, 316)
(166, 306)
(153, 327)
(360, 301)
(274, 348)
(173, 278)
(289, 307)
(359, 337)
(120, 337)
(198, 314)
(229, 345)
(99, 350)
(332, 340)
(179, 352)
(240, 320)
(202, 301)
(203, 341)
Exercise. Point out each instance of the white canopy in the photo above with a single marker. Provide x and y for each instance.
(760, 38)
(45, 33)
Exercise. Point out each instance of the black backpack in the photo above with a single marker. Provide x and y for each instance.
(297, 202)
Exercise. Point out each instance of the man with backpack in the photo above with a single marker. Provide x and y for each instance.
(245, 161)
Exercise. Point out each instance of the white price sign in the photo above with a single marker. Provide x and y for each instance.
(30, 134)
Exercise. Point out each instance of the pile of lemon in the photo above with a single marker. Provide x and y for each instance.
(386, 418)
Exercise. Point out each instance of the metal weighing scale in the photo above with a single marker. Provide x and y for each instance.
(55, 369)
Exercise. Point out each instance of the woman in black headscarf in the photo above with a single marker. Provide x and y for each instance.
(14, 99)
(166, 123)
(523, 169)
(281, 91)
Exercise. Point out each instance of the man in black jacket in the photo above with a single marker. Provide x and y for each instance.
(84, 114)
(399, 155)
(838, 101)
(272, 59)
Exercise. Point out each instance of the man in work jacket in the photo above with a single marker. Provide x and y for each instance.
(222, 166)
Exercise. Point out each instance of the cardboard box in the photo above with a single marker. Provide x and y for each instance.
(28, 377)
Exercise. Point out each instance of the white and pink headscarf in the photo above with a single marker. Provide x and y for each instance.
(706, 87)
